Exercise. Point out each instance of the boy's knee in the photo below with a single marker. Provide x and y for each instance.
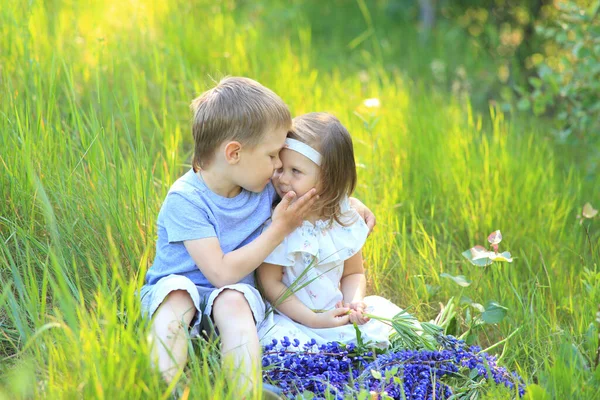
(180, 303)
(179, 297)
(231, 302)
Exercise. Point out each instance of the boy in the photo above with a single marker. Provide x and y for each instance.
(209, 227)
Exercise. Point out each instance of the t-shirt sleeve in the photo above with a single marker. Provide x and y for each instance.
(184, 220)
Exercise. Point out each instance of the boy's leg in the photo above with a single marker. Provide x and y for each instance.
(240, 348)
(169, 333)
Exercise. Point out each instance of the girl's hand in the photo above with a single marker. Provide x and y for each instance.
(356, 305)
(357, 310)
(358, 318)
(289, 213)
(331, 319)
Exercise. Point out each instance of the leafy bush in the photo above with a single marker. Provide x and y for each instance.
(567, 85)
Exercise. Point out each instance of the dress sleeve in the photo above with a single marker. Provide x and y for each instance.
(349, 237)
(323, 241)
(280, 255)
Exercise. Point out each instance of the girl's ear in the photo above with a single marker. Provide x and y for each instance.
(232, 152)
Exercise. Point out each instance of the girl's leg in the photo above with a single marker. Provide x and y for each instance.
(240, 349)
(169, 333)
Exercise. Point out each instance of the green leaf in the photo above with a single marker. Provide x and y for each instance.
(589, 211)
(474, 373)
(308, 395)
(524, 104)
(478, 307)
(452, 327)
(359, 340)
(376, 374)
(482, 257)
(432, 290)
(594, 8)
(535, 82)
(390, 373)
(584, 53)
(544, 70)
(471, 339)
(363, 395)
(504, 256)
(494, 313)
(535, 392)
(460, 280)
(480, 262)
(572, 357)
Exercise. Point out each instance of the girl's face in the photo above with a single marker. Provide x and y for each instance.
(298, 173)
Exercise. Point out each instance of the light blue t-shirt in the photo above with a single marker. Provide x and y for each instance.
(192, 211)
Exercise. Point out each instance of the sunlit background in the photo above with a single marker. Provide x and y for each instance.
(467, 117)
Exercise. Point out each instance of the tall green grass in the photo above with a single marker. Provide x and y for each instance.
(94, 124)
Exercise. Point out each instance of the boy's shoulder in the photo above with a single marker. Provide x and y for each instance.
(186, 191)
(187, 183)
(192, 188)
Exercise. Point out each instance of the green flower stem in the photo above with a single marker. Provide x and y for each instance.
(500, 342)
(382, 319)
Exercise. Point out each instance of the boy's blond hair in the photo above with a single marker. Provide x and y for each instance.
(238, 109)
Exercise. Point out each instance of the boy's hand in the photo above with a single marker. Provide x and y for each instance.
(289, 214)
(364, 213)
(331, 319)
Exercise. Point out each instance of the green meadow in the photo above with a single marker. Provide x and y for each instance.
(95, 127)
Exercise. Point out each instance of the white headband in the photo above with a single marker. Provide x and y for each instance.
(303, 149)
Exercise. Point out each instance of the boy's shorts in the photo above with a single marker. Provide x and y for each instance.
(152, 296)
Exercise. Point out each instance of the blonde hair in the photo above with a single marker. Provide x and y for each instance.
(337, 174)
(236, 109)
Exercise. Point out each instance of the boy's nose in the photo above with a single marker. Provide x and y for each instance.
(278, 164)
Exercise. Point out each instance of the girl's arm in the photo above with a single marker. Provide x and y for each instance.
(353, 286)
(353, 283)
(269, 277)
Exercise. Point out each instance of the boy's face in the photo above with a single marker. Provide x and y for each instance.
(258, 163)
(298, 173)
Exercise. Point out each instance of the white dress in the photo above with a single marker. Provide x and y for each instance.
(313, 260)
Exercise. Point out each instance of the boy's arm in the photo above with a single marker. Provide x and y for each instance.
(269, 276)
(226, 269)
(364, 212)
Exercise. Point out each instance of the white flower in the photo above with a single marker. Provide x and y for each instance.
(372, 103)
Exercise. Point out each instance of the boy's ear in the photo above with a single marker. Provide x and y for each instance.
(232, 152)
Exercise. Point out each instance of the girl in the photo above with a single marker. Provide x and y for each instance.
(315, 278)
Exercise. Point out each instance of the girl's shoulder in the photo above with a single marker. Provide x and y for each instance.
(323, 241)
(348, 218)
